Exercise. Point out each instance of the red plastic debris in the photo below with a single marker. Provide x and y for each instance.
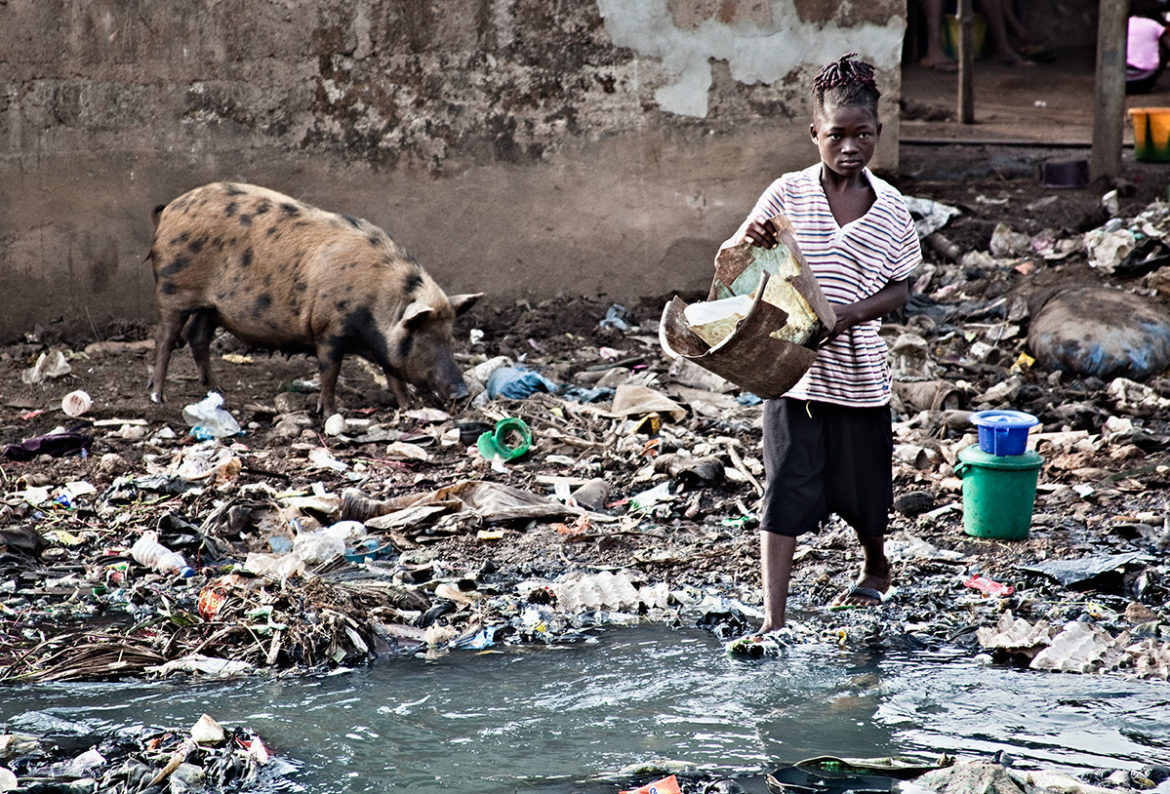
(668, 785)
(210, 601)
(989, 586)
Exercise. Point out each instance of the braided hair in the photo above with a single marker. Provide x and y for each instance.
(847, 81)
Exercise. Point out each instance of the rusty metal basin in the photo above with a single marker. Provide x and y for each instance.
(774, 344)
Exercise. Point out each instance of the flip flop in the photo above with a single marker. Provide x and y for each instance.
(865, 592)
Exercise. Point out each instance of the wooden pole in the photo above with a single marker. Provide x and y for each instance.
(967, 64)
(1109, 106)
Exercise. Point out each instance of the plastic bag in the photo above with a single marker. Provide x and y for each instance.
(516, 383)
(208, 419)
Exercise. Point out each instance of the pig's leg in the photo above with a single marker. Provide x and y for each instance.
(395, 383)
(397, 387)
(199, 332)
(329, 356)
(169, 325)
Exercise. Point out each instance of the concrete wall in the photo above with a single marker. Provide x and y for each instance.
(520, 147)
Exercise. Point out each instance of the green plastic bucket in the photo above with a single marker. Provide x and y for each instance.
(998, 492)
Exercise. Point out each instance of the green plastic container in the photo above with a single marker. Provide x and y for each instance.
(509, 440)
(998, 492)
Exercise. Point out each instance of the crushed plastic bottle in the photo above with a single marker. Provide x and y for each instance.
(651, 497)
(149, 552)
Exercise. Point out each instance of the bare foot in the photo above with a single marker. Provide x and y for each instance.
(866, 592)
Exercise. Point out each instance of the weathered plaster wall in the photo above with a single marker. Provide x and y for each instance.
(521, 147)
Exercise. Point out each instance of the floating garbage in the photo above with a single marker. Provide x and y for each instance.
(666, 785)
(1015, 635)
(207, 731)
(208, 758)
(1080, 648)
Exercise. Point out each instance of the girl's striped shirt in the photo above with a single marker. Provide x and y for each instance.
(850, 263)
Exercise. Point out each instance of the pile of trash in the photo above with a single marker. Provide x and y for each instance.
(909, 774)
(208, 757)
(590, 481)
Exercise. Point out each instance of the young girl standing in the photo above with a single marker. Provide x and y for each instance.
(828, 443)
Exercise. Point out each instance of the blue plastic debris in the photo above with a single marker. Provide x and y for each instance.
(484, 638)
(579, 394)
(516, 383)
(615, 317)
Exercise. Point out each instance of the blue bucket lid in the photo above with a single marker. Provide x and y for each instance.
(1005, 419)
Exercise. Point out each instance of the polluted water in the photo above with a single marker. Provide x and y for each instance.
(610, 710)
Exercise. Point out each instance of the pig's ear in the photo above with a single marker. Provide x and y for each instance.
(461, 303)
(416, 314)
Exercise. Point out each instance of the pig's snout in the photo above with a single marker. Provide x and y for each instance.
(457, 391)
(447, 382)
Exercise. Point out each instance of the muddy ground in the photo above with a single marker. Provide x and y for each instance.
(471, 567)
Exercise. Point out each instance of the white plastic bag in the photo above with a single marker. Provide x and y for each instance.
(208, 415)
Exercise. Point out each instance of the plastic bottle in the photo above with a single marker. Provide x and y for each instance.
(149, 552)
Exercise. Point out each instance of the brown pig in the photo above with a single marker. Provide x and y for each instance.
(283, 275)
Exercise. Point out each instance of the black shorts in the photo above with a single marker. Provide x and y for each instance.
(822, 458)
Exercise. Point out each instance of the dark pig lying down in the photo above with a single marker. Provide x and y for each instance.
(281, 274)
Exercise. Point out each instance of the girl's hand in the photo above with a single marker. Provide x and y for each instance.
(761, 233)
(881, 303)
(846, 319)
